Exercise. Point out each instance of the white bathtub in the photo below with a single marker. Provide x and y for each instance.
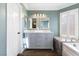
(70, 49)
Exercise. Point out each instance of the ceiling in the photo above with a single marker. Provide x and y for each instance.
(46, 6)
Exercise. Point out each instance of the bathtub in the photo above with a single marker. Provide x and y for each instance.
(70, 49)
(57, 43)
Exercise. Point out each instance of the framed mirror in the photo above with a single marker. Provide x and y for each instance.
(38, 22)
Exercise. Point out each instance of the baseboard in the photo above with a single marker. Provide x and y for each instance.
(20, 54)
(36, 49)
(21, 50)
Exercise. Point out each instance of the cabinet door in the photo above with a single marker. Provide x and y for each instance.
(45, 41)
(48, 41)
(35, 40)
(40, 40)
(32, 40)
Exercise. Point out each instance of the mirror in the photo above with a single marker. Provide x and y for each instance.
(34, 25)
(25, 23)
(41, 24)
(44, 24)
(38, 23)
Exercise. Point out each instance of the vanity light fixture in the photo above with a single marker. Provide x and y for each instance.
(39, 15)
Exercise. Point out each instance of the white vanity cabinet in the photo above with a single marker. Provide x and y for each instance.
(40, 40)
(34, 40)
(69, 23)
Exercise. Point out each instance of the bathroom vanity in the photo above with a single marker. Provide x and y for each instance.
(40, 40)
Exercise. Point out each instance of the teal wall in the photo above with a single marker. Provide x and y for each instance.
(69, 8)
(3, 27)
(54, 20)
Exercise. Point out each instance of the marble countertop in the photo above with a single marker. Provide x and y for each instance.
(36, 31)
(66, 39)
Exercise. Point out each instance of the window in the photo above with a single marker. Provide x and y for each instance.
(69, 24)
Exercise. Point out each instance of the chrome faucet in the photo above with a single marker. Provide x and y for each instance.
(73, 39)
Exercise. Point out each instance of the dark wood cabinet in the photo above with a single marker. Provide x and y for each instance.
(57, 45)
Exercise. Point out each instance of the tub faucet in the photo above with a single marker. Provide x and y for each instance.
(73, 39)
